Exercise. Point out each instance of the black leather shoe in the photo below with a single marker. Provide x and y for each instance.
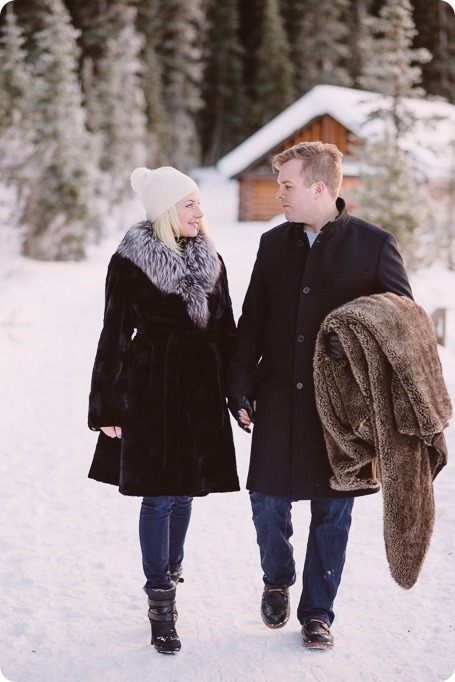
(317, 635)
(275, 607)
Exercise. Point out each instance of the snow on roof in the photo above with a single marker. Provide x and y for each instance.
(351, 108)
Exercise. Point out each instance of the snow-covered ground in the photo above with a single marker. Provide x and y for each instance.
(72, 601)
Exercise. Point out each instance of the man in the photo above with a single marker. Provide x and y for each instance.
(320, 258)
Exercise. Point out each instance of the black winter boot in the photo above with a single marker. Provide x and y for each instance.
(162, 619)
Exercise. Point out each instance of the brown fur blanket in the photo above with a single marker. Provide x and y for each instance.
(383, 409)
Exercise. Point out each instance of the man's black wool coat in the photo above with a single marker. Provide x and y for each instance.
(292, 289)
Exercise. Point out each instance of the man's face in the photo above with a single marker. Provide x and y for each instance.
(297, 199)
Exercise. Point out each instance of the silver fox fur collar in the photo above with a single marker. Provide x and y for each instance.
(192, 275)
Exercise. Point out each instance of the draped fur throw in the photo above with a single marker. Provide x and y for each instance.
(192, 275)
(383, 411)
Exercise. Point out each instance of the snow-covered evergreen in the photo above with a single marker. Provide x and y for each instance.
(435, 22)
(390, 195)
(358, 34)
(116, 104)
(206, 75)
(320, 53)
(222, 88)
(158, 133)
(16, 86)
(15, 76)
(182, 68)
(273, 83)
(61, 213)
(393, 66)
(389, 184)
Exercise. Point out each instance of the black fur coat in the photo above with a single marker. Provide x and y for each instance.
(159, 370)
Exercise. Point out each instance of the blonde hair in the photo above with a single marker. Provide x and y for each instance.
(167, 228)
(320, 161)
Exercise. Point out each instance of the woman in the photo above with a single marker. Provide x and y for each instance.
(157, 394)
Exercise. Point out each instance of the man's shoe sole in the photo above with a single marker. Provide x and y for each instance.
(318, 645)
(319, 635)
(271, 625)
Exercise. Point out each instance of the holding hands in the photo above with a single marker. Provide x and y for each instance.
(243, 409)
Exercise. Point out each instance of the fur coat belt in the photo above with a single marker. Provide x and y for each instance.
(383, 410)
(192, 276)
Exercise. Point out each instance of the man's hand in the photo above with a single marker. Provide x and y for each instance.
(242, 409)
(333, 346)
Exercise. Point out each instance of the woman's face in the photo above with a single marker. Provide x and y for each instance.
(189, 214)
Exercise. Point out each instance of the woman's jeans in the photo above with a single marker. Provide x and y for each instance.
(163, 522)
(325, 555)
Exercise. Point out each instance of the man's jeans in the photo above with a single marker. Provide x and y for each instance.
(163, 522)
(325, 555)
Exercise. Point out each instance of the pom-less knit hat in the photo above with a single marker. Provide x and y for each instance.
(161, 188)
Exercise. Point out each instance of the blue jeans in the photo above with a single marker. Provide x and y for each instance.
(163, 522)
(325, 555)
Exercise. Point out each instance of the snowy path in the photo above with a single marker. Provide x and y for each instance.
(72, 604)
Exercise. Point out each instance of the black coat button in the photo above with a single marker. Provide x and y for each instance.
(299, 385)
(306, 290)
(300, 338)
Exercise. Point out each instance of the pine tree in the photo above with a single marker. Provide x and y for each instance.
(158, 133)
(16, 86)
(358, 38)
(435, 22)
(390, 184)
(148, 23)
(30, 16)
(222, 117)
(319, 40)
(250, 28)
(393, 67)
(182, 69)
(61, 213)
(387, 197)
(96, 21)
(273, 89)
(115, 102)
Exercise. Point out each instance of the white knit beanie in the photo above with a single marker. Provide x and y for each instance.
(161, 188)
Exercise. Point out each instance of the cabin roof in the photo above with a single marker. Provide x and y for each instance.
(428, 144)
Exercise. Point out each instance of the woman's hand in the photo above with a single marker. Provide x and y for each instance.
(242, 409)
(112, 431)
(244, 418)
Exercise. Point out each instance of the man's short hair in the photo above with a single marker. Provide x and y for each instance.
(320, 161)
